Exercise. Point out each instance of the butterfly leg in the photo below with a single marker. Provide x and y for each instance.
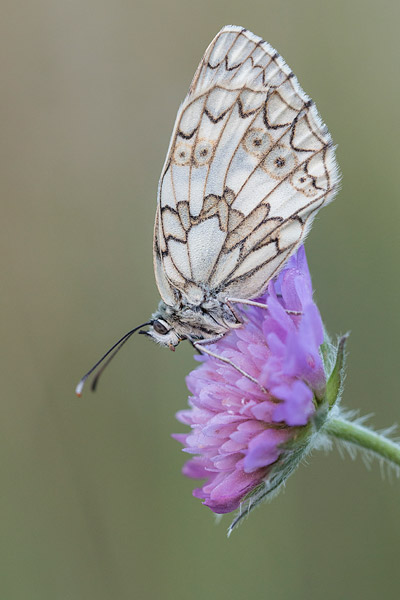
(258, 304)
(200, 347)
(197, 343)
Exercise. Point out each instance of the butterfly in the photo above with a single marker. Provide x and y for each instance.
(249, 165)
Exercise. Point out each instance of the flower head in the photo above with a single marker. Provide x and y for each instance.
(242, 432)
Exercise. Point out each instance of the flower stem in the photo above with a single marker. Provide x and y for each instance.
(361, 436)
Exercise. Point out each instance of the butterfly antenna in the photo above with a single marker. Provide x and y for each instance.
(113, 351)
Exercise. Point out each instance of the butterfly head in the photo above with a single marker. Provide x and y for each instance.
(163, 333)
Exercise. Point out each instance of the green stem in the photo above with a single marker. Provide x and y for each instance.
(365, 438)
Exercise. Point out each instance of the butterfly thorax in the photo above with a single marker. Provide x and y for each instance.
(212, 318)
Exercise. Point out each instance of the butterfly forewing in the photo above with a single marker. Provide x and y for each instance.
(250, 163)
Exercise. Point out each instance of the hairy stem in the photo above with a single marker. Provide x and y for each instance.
(361, 436)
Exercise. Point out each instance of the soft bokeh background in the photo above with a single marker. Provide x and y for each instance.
(93, 505)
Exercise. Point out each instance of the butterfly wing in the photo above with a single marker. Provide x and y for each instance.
(249, 165)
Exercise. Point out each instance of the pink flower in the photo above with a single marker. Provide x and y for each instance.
(240, 435)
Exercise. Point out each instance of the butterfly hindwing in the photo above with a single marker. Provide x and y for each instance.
(250, 163)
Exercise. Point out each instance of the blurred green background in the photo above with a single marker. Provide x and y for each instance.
(93, 505)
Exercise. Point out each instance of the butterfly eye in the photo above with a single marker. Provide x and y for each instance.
(160, 328)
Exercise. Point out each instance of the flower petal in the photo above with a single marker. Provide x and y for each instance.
(237, 429)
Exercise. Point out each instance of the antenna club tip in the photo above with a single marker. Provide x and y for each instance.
(78, 389)
(114, 349)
